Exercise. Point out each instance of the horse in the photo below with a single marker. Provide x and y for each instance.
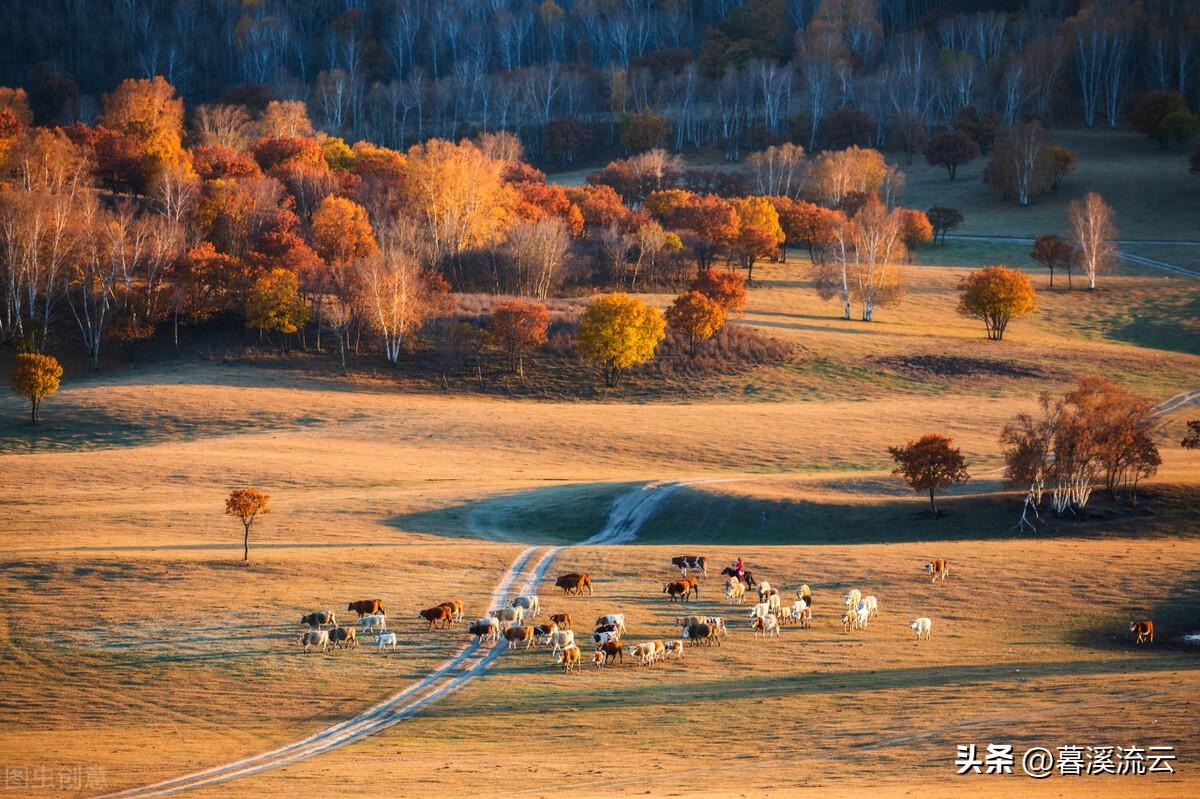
(747, 577)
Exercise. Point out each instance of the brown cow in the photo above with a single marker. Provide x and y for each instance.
(1144, 630)
(610, 650)
(563, 620)
(692, 584)
(441, 614)
(939, 568)
(343, 636)
(569, 658)
(574, 583)
(518, 635)
(366, 607)
(676, 590)
(456, 609)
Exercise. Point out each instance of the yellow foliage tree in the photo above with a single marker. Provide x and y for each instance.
(759, 232)
(996, 294)
(274, 303)
(459, 196)
(35, 377)
(149, 112)
(618, 331)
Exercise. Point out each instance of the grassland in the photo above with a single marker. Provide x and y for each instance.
(137, 642)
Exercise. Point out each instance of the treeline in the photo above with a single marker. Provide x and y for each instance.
(573, 78)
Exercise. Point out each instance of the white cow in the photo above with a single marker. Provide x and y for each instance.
(735, 590)
(315, 638)
(531, 605)
(851, 599)
(376, 622)
(872, 605)
(386, 639)
(922, 627)
(561, 640)
(613, 618)
(511, 616)
(766, 625)
(761, 610)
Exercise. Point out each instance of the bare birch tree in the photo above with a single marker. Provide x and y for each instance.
(1091, 223)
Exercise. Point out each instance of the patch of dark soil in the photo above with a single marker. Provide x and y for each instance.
(957, 366)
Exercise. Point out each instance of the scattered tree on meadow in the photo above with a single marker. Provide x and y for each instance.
(943, 219)
(713, 224)
(726, 289)
(247, 504)
(1021, 165)
(930, 464)
(838, 173)
(864, 260)
(1054, 252)
(35, 377)
(274, 304)
(951, 149)
(518, 328)
(1099, 432)
(917, 229)
(996, 295)
(696, 317)
(805, 223)
(617, 332)
(395, 293)
(1091, 223)
(1150, 112)
(1061, 162)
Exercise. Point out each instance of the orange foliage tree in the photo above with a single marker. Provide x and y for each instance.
(696, 317)
(930, 464)
(519, 327)
(759, 234)
(149, 112)
(726, 289)
(712, 222)
(247, 504)
(342, 236)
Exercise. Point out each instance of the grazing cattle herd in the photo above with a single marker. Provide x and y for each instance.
(513, 623)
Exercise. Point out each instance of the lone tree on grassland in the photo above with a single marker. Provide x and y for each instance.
(1053, 252)
(247, 504)
(930, 464)
(35, 377)
(618, 331)
(950, 149)
(943, 219)
(996, 294)
(1091, 223)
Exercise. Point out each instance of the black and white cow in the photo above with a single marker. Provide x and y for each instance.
(690, 564)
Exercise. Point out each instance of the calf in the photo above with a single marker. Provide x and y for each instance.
(766, 625)
(939, 568)
(315, 638)
(922, 627)
(485, 629)
(677, 590)
(343, 637)
(376, 622)
(530, 604)
(318, 618)
(519, 635)
(674, 649)
(643, 652)
(734, 591)
(692, 585)
(387, 639)
(562, 640)
(1144, 630)
(440, 615)
(542, 633)
(569, 659)
(806, 617)
(563, 620)
(366, 607)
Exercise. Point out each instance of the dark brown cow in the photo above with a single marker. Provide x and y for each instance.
(318, 618)
(574, 583)
(456, 609)
(440, 614)
(517, 635)
(676, 590)
(612, 649)
(563, 620)
(366, 607)
(705, 634)
(343, 636)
